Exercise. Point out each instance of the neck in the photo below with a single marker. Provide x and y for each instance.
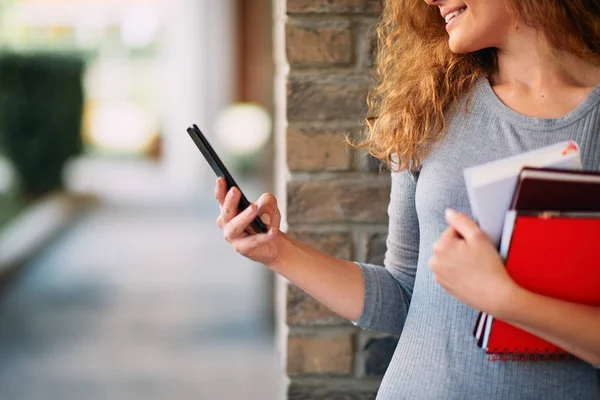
(526, 61)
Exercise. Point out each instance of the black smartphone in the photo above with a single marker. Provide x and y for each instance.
(217, 165)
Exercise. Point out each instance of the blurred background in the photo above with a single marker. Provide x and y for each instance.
(115, 281)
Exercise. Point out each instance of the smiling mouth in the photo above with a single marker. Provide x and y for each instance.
(454, 14)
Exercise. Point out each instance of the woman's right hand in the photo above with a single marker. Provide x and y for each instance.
(336, 283)
(264, 248)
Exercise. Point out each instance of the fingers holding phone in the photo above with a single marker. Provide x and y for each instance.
(239, 219)
(237, 225)
(221, 171)
(229, 205)
(220, 191)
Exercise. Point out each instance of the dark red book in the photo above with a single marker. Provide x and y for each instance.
(545, 189)
(553, 254)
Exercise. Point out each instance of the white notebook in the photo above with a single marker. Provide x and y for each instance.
(490, 186)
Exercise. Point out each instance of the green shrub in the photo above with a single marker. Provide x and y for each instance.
(41, 103)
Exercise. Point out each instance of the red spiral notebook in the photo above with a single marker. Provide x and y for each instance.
(553, 254)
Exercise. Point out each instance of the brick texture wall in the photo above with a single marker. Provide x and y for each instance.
(335, 199)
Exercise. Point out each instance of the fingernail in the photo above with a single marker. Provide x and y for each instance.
(450, 213)
(271, 232)
(251, 209)
(266, 219)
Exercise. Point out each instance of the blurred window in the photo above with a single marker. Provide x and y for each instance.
(120, 41)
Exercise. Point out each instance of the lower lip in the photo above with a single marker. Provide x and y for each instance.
(452, 21)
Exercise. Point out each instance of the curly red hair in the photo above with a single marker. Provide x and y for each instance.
(419, 78)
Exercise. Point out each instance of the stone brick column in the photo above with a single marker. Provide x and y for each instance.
(332, 196)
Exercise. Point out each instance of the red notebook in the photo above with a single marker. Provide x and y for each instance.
(553, 254)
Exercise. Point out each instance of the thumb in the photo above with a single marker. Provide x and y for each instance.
(268, 210)
(266, 218)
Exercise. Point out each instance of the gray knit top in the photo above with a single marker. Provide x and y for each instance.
(437, 356)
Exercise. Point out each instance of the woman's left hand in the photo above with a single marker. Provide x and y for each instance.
(467, 265)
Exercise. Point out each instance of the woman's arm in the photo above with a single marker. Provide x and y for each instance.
(335, 283)
(371, 296)
(468, 267)
(574, 327)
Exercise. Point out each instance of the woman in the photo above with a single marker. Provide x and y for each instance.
(462, 82)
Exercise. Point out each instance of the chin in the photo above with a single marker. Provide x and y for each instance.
(459, 45)
(456, 48)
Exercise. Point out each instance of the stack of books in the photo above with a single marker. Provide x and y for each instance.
(543, 213)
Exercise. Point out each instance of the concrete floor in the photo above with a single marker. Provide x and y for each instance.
(139, 302)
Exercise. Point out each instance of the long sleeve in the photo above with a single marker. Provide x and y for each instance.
(388, 289)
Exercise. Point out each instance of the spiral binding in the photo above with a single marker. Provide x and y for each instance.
(526, 355)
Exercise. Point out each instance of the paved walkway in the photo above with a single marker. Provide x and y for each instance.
(138, 302)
